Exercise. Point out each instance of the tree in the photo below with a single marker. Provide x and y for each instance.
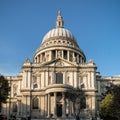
(110, 105)
(77, 97)
(4, 90)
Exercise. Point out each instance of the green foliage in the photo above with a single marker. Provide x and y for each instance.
(4, 89)
(110, 105)
(106, 105)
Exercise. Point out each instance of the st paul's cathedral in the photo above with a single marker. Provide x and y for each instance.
(59, 83)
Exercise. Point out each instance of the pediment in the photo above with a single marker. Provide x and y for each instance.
(59, 62)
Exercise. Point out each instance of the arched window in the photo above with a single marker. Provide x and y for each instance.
(59, 78)
(35, 103)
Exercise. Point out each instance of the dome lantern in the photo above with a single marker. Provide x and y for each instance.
(59, 21)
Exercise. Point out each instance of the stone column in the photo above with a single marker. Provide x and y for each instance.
(48, 105)
(23, 105)
(64, 106)
(64, 78)
(68, 55)
(77, 58)
(80, 59)
(50, 55)
(19, 107)
(55, 109)
(35, 60)
(62, 54)
(41, 58)
(38, 59)
(70, 108)
(18, 110)
(56, 52)
(26, 109)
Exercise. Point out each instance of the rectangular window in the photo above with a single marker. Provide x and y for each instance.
(59, 78)
(65, 54)
(53, 54)
(49, 80)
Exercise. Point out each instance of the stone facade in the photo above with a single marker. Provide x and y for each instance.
(44, 87)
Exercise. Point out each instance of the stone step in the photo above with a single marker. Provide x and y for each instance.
(54, 119)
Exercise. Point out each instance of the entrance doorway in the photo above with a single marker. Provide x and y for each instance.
(59, 110)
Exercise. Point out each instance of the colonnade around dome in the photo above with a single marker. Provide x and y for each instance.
(50, 55)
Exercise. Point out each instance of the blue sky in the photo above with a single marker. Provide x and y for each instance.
(94, 23)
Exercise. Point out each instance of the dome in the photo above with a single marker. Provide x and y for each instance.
(59, 32)
(59, 43)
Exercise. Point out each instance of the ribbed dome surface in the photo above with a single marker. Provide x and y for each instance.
(58, 32)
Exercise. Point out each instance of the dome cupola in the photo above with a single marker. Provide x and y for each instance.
(59, 22)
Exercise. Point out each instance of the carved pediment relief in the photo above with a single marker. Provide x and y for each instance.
(59, 62)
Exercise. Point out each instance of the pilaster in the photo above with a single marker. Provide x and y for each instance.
(48, 105)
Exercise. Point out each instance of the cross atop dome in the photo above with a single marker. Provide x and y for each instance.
(59, 21)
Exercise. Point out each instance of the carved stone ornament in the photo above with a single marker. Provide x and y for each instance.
(59, 63)
(15, 87)
(59, 98)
